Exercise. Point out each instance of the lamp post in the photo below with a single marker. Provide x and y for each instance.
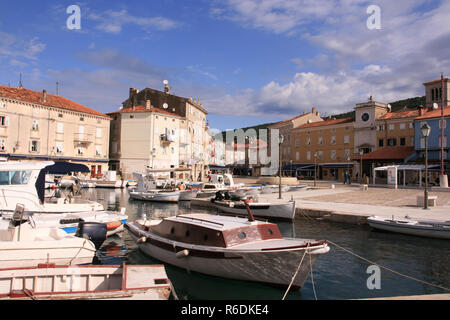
(426, 129)
(361, 153)
(291, 167)
(315, 166)
(280, 141)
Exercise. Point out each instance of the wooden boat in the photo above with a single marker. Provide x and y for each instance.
(229, 247)
(59, 282)
(278, 211)
(421, 228)
(109, 180)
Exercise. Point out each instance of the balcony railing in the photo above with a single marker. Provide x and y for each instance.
(85, 138)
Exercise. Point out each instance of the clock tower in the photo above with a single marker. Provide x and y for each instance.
(365, 127)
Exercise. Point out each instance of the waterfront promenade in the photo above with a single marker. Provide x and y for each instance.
(349, 204)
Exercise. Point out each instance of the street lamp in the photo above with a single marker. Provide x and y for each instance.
(280, 141)
(315, 165)
(426, 129)
(361, 153)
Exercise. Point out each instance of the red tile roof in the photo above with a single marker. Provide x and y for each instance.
(436, 113)
(388, 153)
(27, 95)
(286, 121)
(142, 109)
(325, 123)
(401, 114)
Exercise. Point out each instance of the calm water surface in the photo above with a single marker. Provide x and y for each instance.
(337, 274)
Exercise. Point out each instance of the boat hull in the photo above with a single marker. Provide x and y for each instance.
(155, 196)
(15, 254)
(274, 267)
(420, 230)
(187, 195)
(284, 211)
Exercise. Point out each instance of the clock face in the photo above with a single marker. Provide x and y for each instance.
(365, 117)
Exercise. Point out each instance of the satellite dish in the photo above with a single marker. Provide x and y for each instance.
(165, 105)
(435, 106)
(166, 82)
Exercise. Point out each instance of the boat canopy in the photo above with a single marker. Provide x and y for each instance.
(60, 167)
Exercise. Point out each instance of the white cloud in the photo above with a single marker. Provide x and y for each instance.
(113, 21)
(15, 47)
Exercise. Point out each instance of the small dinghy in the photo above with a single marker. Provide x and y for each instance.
(156, 195)
(22, 245)
(421, 228)
(58, 282)
(188, 195)
(229, 247)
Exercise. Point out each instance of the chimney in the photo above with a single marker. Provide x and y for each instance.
(421, 110)
(313, 110)
(44, 95)
(148, 104)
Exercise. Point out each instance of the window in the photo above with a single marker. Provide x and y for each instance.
(381, 143)
(440, 123)
(14, 177)
(297, 143)
(333, 140)
(403, 141)
(4, 121)
(2, 145)
(422, 143)
(392, 127)
(392, 142)
(60, 127)
(60, 115)
(98, 150)
(35, 125)
(380, 128)
(3, 105)
(297, 156)
(34, 146)
(80, 151)
(320, 142)
(59, 147)
(81, 119)
(346, 139)
(320, 155)
(411, 125)
(333, 154)
(99, 133)
(308, 141)
(347, 154)
(402, 126)
(308, 155)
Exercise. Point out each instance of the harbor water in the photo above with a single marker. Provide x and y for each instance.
(336, 275)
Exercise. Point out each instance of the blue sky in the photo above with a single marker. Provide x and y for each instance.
(249, 61)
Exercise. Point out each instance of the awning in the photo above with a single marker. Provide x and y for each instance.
(65, 168)
(408, 167)
(337, 165)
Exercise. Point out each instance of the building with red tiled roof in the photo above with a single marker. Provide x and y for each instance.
(387, 154)
(40, 126)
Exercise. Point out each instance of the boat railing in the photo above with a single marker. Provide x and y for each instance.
(201, 220)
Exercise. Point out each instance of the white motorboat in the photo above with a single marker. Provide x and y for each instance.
(22, 245)
(415, 227)
(24, 182)
(58, 282)
(155, 195)
(69, 221)
(229, 247)
(109, 180)
(189, 194)
(210, 189)
(284, 211)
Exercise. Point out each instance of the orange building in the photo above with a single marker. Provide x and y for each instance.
(323, 147)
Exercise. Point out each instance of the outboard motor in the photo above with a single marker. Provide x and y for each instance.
(18, 218)
(219, 196)
(93, 231)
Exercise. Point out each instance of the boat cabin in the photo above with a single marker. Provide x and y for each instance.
(211, 230)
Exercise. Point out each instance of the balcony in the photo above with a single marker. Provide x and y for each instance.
(167, 138)
(82, 138)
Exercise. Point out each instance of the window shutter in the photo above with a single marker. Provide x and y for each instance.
(6, 121)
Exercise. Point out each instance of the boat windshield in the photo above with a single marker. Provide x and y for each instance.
(14, 177)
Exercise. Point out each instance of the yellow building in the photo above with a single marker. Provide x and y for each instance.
(324, 147)
(40, 126)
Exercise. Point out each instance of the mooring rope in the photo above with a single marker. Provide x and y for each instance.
(312, 278)
(374, 263)
(296, 272)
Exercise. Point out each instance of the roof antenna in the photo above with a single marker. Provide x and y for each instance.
(20, 81)
(57, 85)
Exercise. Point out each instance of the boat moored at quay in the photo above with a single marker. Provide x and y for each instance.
(228, 247)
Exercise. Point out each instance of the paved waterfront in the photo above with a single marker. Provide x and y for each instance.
(350, 204)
